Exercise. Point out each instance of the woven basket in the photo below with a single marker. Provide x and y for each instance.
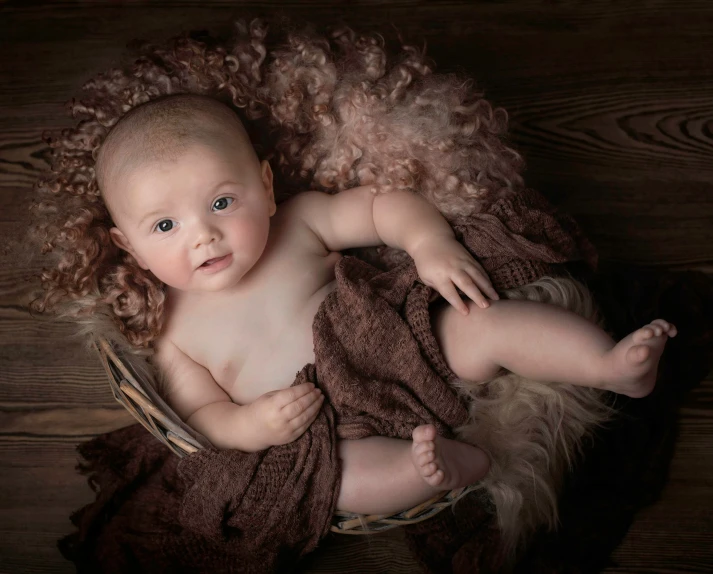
(141, 400)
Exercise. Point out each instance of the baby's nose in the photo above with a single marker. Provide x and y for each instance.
(205, 233)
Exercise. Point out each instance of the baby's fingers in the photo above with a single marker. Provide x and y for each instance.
(481, 279)
(307, 417)
(468, 286)
(298, 432)
(449, 293)
(301, 405)
(288, 396)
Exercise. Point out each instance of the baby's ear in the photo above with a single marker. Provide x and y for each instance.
(267, 182)
(119, 239)
(122, 242)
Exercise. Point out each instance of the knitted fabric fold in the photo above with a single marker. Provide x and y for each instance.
(382, 373)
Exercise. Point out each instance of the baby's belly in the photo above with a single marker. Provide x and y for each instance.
(274, 363)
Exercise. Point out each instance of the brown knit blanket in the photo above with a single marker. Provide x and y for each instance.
(382, 373)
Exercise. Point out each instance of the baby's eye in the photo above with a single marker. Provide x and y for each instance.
(222, 203)
(164, 226)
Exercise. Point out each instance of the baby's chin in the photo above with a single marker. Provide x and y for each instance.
(206, 288)
(226, 280)
(223, 285)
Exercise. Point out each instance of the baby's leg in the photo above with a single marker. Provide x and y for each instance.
(384, 475)
(547, 343)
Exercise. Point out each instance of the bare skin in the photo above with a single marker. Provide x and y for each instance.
(444, 463)
(634, 360)
(243, 294)
(410, 473)
(567, 347)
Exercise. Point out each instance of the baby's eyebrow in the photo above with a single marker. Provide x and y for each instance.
(222, 183)
(148, 215)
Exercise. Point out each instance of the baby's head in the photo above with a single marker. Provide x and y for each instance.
(187, 194)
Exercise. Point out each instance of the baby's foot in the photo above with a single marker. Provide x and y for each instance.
(444, 463)
(632, 364)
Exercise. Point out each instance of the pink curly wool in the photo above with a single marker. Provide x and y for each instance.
(329, 114)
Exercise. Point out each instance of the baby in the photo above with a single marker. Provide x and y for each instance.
(191, 201)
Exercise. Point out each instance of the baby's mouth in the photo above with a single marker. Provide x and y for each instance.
(214, 260)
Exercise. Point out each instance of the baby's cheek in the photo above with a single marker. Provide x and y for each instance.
(251, 235)
(173, 269)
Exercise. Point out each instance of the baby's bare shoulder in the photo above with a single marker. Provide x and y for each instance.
(306, 205)
(300, 206)
(341, 220)
(186, 385)
(296, 216)
(165, 351)
(176, 320)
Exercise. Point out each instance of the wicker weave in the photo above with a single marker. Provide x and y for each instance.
(141, 400)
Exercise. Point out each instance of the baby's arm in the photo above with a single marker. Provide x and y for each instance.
(359, 218)
(274, 418)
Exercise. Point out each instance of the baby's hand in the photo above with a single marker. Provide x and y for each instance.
(444, 264)
(283, 416)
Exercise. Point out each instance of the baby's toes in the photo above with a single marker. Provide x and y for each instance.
(424, 433)
(643, 334)
(429, 470)
(420, 448)
(435, 479)
(426, 457)
(659, 326)
(638, 354)
(666, 327)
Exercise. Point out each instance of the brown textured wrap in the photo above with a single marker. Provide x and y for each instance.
(382, 372)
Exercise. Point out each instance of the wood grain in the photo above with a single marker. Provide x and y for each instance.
(610, 103)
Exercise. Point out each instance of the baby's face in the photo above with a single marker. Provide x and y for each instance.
(199, 223)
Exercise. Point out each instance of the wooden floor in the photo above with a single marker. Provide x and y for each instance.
(611, 103)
